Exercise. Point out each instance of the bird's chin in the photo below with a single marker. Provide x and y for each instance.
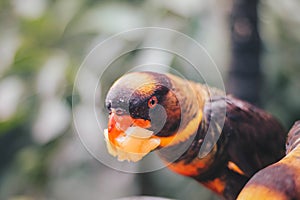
(132, 145)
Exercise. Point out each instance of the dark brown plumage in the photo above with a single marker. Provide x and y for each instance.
(250, 140)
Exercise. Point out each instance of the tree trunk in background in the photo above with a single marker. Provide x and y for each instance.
(244, 74)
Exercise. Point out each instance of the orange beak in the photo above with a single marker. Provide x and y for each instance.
(117, 125)
(128, 139)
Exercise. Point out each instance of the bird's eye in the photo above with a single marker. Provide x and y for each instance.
(152, 102)
(120, 111)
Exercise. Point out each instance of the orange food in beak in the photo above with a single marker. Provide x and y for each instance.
(117, 125)
(128, 139)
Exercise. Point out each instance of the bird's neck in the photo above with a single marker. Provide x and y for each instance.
(184, 146)
(183, 157)
(191, 112)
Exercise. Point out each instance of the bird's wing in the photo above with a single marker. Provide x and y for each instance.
(253, 138)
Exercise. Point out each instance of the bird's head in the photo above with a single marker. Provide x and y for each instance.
(146, 110)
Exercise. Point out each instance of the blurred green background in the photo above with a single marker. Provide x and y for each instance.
(43, 43)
